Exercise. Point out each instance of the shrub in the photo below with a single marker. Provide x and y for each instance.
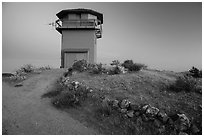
(68, 72)
(196, 73)
(131, 66)
(115, 62)
(136, 67)
(68, 94)
(45, 68)
(103, 110)
(27, 68)
(184, 83)
(20, 72)
(81, 93)
(114, 70)
(64, 100)
(127, 63)
(80, 65)
(96, 68)
(70, 97)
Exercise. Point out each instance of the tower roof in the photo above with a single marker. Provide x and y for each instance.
(62, 13)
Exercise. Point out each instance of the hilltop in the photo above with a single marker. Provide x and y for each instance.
(140, 88)
(137, 102)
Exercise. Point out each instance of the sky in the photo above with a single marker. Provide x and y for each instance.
(164, 36)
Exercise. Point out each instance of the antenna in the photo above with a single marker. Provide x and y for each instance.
(52, 24)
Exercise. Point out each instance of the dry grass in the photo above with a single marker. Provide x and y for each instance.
(143, 87)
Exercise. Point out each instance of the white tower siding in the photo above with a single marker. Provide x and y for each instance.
(80, 41)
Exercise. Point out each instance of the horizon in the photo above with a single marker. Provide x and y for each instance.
(163, 36)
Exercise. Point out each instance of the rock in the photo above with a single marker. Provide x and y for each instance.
(65, 79)
(185, 122)
(12, 77)
(106, 102)
(115, 103)
(194, 129)
(134, 107)
(122, 69)
(124, 104)
(24, 77)
(182, 133)
(162, 116)
(124, 110)
(75, 84)
(144, 108)
(152, 111)
(88, 89)
(76, 100)
(19, 85)
(182, 123)
(130, 113)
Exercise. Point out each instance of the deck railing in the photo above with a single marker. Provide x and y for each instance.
(77, 23)
(89, 23)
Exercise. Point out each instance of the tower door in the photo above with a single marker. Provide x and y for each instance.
(69, 58)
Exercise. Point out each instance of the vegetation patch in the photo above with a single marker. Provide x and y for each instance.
(186, 84)
(22, 74)
(115, 67)
(144, 102)
(131, 66)
(195, 72)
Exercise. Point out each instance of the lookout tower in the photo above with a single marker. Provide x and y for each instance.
(80, 29)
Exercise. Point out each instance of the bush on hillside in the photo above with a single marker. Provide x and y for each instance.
(96, 68)
(28, 68)
(64, 100)
(196, 73)
(131, 66)
(115, 62)
(116, 67)
(68, 72)
(71, 94)
(185, 83)
(80, 65)
(127, 63)
(45, 68)
(114, 70)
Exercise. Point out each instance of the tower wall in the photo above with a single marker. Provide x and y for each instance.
(79, 41)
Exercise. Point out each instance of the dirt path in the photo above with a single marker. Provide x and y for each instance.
(25, 112)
